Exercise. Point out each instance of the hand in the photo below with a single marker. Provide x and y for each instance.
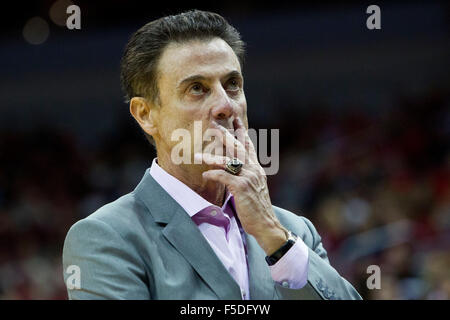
(249, 188)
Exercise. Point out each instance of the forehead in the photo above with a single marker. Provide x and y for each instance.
(209, 58)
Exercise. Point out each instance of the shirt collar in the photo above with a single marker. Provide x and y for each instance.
(187, 198)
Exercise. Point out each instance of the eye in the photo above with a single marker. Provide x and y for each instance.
(233, 85)
(197, 89)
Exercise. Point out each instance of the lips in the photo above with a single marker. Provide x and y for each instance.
(227, 124)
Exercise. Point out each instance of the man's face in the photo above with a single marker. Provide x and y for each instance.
(198, 81)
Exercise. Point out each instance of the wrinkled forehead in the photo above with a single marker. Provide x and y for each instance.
(209, 58)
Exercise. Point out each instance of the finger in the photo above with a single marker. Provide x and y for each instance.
(242, 135)
(212, 159)
(232, 182)
(241, 132)
(220, 176)
(232, 144)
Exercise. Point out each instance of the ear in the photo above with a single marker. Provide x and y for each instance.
(144, 113)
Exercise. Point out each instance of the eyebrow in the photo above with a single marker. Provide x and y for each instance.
(198, 77)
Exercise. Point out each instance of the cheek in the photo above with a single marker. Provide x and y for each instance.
(243, 113)
(173, 121)
(243, 107)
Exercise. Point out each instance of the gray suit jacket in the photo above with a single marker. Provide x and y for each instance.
(145, 246)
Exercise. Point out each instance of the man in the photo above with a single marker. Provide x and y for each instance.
(204, 228)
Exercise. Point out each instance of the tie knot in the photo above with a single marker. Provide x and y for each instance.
(213, 216)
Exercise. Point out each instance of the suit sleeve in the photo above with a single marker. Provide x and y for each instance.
(108, 267)
(324, 282)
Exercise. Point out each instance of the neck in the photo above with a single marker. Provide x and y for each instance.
(191, 175)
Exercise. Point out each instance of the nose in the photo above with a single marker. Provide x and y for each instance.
(223, 108)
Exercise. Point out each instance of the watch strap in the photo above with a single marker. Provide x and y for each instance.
(277, 255)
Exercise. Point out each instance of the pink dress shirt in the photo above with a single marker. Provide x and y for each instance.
(225, 235)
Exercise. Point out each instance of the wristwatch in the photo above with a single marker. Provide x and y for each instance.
(274, 257)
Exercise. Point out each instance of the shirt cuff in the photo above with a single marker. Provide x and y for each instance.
(292, 268)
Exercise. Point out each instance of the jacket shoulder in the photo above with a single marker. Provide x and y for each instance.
(300, 225)
(124, 208)
(106, 246)
(126, 216)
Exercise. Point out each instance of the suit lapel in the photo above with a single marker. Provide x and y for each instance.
(262, 287)
(185, 236)
(187, 239)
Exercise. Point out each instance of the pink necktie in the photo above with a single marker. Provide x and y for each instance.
(213, 216)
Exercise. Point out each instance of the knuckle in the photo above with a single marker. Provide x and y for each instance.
(241, 184)
(253, 178)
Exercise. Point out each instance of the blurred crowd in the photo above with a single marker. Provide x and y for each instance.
(375, 183)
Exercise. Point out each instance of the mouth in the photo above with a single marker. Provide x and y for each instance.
(227, 124)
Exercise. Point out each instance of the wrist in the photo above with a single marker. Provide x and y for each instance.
(273, 240)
